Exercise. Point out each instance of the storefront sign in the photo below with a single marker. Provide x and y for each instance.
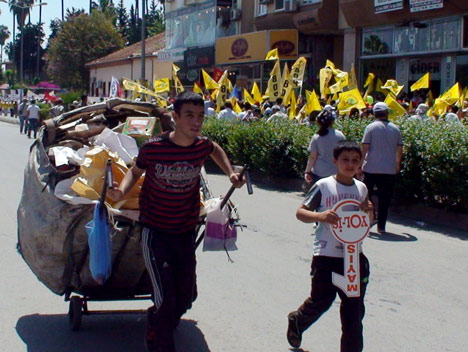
(241, 48)
(387, 5)
(351, 230)
(286, 42)
(199, 57)
(419, 67)
(173, 55)
(251, 47)
(423, 5)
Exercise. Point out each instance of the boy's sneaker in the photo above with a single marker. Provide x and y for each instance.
(293, 335)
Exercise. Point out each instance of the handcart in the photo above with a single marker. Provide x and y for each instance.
(51, 235)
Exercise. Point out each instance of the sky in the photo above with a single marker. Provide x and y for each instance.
(52, 10)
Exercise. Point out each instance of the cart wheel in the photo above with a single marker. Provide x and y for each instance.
(75, 313)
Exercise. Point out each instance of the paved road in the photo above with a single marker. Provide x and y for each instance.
(416, 299)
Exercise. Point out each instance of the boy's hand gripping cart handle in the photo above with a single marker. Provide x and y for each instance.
(243, 173)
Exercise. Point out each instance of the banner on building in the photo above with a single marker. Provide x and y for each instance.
(424, 5)
(387, 5)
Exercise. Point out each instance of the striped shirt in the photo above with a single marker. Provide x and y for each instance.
(170, 195)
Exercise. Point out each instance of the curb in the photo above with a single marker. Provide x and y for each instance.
(8, 119)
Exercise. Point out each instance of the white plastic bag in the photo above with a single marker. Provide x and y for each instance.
(220, 234)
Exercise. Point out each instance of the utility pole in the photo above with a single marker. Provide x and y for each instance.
(38, 63)
(143, 37)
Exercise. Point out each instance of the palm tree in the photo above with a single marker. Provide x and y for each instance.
(21, 9)
(4, 35)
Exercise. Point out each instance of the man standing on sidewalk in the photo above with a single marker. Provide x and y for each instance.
(22, 113)
(382, 148)
(33, 118)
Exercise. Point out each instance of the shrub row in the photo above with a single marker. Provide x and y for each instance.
(434, 170)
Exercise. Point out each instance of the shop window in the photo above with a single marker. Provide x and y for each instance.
(462, 70)
(279, 4)
(411, 38)
(465, 32)
(445, 35)
(260, 8)
(377, 41)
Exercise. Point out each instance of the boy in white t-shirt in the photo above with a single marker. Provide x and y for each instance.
(328, 251)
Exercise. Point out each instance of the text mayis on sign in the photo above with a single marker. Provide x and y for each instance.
(351, 230)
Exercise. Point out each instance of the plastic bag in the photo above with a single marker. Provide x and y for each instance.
(220, 233)
(100, 248)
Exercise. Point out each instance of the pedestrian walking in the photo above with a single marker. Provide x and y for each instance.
(328, 255)
(33, 117)
(169, 212)
(23, 113)
(382, 147)
(320, 163)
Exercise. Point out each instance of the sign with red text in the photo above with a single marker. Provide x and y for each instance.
(351, 230)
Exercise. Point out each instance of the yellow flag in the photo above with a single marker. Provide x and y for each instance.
(440, 106)
(256, 93)
(292, 108)
(429, 98)
(395, 109)
(378, 87)
(312, 102)
(352, 78)
(272, 55)
(421, 83)
(210, 83)
(461, 101)
(369, 80)
(297, 72)
(342, 77)
(179, 88)
(286, 86)
(161, 85)
(325, 77)
(175, 68)
(214, 94)
(129, 85)
(274, 82)
(330, 64)
(248, 98)
(392, 86)
(197, 89)
(350, 99)
(221, 96)
(237, 109)
(452, 95)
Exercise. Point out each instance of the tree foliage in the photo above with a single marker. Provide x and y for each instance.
(81, 40)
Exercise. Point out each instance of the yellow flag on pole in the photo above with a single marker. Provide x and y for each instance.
(292, 108)
(197, 89)
(452, 95)
(378, 87)
(352, 78)
(369, 80)
(392, 86)
(325, 77)
(395, 109)
(330, 64)
(421, 83)
(272, 55)
(297, 72)
(312, 102)
(210, 83)
(179, 88)
(350, 99)
(221, 96)
(248, 98)
(256, 93)
(161, 85)
(274, 82)
(236, 108)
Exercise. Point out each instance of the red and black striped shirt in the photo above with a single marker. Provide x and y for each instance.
(170, 195)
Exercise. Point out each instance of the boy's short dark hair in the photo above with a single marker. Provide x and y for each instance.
(348, 146)
(187, 97)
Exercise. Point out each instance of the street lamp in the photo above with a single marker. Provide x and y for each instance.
(39, 41)
(22, 34)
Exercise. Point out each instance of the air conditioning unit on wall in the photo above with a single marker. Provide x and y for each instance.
(236, 14)
(290, 5)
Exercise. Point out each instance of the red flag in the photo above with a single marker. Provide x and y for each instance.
(217, 73)
(49, 97)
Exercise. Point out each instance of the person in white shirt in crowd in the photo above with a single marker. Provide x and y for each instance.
(247, 114)
(280, 105)
(277, 115)
(33, 117)
(227, 113)
(420, 115)
(452, 116)
(211, 110)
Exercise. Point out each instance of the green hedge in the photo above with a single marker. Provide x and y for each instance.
(435, 165)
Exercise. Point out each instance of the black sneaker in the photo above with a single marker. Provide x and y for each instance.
(294, 335)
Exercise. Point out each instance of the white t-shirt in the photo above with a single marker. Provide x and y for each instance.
(33, 112)
(324, 195)
(227, 114)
